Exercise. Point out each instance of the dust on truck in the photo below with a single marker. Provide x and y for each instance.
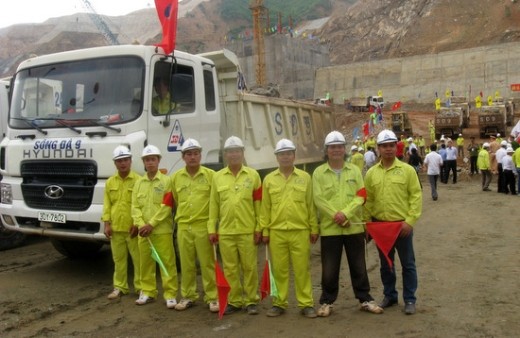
(70, 110)
(492, 120)
(448, 122)
(363, 104)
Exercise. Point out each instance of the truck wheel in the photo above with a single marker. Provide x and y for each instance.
(10, 239)
(76, 249)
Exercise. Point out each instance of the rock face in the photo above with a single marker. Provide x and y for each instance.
(366, 30)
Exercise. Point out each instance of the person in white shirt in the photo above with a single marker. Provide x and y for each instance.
(370, 157)
(451, 162)
(509, 171)
(499, 155)
(434, 162)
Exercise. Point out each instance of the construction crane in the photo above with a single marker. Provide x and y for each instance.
(100, 24)
(259, 12)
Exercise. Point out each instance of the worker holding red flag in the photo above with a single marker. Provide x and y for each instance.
(236, 194)
(289, 225)
(394, 197)
(339, 195)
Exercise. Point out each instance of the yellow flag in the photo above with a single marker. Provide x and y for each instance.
(379, 92)
(448, 93)
(490, 100)
(497, 94)
(438, 104)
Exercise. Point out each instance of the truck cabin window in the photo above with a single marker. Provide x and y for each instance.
(78, 93)
(175, 93)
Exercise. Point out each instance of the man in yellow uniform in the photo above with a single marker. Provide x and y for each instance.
(484, 165)
(460, 146)
(191, 190)
(119, 226)
(516, 163)
(371, 142)
(152, 204)
(394, 195)
(431, 129)
(161, 103)
(289, 225)
(236, 194)
(338, 193)
(421, 144)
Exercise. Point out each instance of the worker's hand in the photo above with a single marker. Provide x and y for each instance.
(314, 238)
(213, 238)
(406, 230)
(340, 218)
(108, 230)
(265, 239)
(134, 231)
(146, 230)
(258, 237)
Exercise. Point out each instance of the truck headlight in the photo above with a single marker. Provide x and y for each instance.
(6, 193)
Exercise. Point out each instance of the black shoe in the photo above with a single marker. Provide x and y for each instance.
(231, 309)
(486, 189)
(387, 302)
(252, 309)
(435, 198)
(409, 308)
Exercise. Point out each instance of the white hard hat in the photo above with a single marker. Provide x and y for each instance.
(335, 137)
(460, 134)
(121, 152)
(151, 150)
(409, 139)
(503, 143)
(510, 150)
(353, 148)
(284, 145)
(190, 144)
(361, 149)
(498, 135)
(485, 145)
(233, 142)
(386, 136)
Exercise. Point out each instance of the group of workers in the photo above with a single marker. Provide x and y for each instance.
(288, 211)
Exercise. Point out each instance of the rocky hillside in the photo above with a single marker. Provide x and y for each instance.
(366, 30)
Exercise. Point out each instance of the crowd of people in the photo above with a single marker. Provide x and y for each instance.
(289, 211)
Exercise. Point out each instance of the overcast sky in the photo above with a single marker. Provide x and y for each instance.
(37, 11)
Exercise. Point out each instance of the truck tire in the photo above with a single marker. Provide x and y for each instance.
(10, 239)
(76, 249)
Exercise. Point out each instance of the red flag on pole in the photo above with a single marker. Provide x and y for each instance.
(384, 235)
(223, 287)
(265, 284)
(167, 11)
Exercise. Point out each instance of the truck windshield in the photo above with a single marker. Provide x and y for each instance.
(81, 93)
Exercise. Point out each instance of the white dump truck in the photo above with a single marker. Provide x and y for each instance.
(70, 110)
(462, 102)
(449, 122)
(364, 103)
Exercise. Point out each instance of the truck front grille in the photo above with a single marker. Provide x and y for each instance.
(72, 181)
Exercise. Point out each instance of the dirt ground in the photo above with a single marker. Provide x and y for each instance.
(467, 248)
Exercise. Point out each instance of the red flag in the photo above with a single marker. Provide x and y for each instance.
(167, 12)
(223, 287)
(371, 109)
(384, 235)
(265, 284)
(366, 129)
(396, 105)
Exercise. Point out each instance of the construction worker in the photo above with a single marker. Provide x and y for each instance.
(431, 129)
(152, 203)
(191, 192)
(289, 225)
(460, 146)
(119, 226)
(161, 103)
(236, 194)
(421, 143)
(394, 195)
(357, 158)
(338, 193)
(484, 165)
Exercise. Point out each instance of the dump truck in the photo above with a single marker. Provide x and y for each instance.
(492, 120)
(401, 123)
(462, 102)
(448, 122)
(70, 110)
(363, 104)
(509, 105)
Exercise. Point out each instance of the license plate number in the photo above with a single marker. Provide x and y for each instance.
(52, 217)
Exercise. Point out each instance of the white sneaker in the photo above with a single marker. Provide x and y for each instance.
(143, 299)
(183, 304)
(171, 303)
(325, 310)
(214, 306)
(371, 307)
(115, 294)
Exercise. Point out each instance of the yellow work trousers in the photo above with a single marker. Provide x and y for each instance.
(239, 255)
(193, 244)
(291, 247)
(163, 243)
(121, 245)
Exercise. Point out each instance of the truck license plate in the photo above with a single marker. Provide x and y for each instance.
(52, 217)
